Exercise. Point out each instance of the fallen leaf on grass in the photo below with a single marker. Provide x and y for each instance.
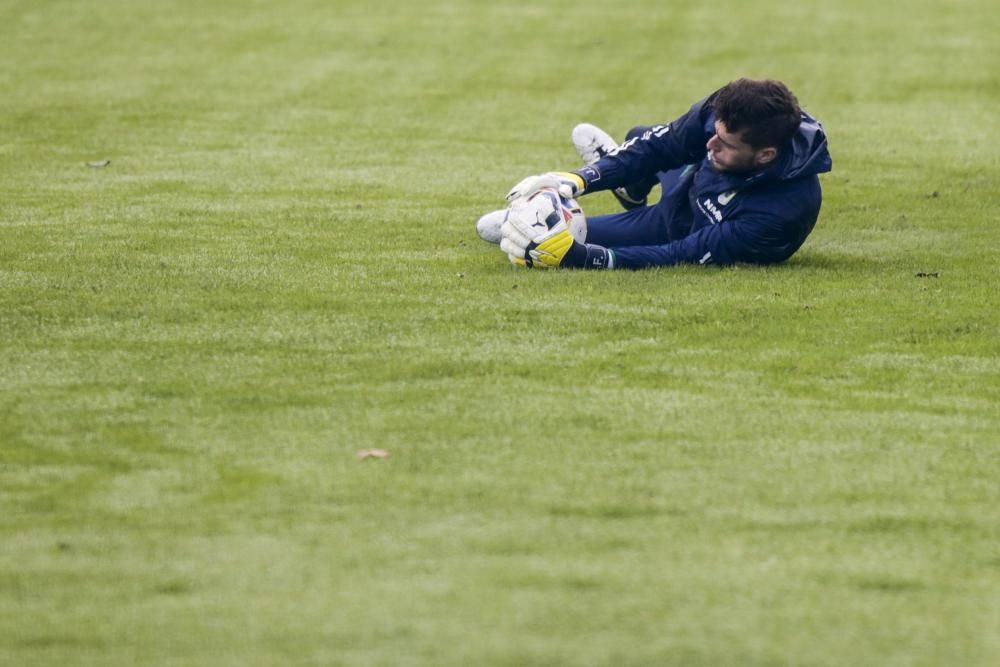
(373, 454)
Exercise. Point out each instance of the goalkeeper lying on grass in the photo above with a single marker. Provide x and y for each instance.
(754, 197)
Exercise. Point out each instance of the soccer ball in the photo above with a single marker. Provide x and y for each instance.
(550, 207)
(542, 205)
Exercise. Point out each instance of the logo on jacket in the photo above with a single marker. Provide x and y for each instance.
(712, 209)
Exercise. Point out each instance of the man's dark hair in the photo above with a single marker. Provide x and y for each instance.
(764, 113)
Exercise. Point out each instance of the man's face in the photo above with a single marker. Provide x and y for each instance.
(728, 152)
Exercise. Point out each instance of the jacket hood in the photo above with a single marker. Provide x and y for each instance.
(808, 154)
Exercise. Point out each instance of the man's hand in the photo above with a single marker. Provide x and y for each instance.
(569, 185)
(528, 239)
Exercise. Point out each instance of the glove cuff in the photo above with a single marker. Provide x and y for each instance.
(587, 176)
(599, 257)
(575, 257)
(589, 256)
(578, 183)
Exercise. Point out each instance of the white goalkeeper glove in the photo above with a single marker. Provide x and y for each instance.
(530, 238)
(568, 185)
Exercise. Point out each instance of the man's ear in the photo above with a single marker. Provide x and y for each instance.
(765, 156)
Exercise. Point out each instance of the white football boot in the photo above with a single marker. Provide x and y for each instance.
(489, 226)
(593, 143)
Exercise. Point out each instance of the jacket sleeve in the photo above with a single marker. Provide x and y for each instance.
(659, 148)
(753, 239)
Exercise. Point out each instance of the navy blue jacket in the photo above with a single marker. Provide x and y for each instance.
(713, 217)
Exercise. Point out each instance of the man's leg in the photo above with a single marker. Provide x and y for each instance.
(639, 226)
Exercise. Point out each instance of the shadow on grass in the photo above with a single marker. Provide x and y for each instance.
(831, 261)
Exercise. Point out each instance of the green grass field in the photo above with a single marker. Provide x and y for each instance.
(795, 465)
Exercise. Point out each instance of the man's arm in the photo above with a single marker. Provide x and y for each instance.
(660, 148)
(753, 239)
